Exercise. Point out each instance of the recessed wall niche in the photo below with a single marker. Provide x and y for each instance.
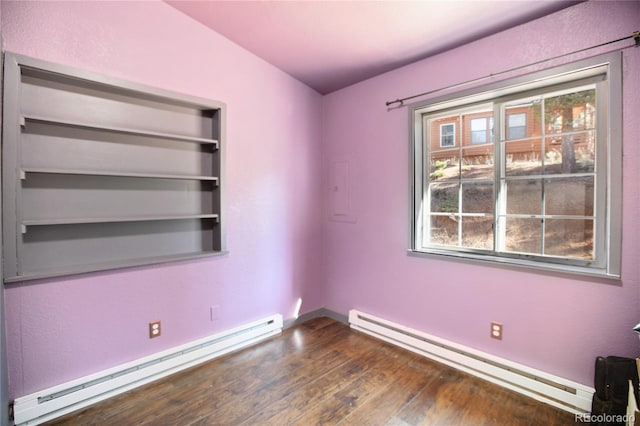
(100, 173)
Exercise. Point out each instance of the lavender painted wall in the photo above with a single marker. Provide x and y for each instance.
(4, 381)
(556, 323)
(61, 329)
(281, 245)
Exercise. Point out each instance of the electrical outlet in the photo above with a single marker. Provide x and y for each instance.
(215, 313)
(154, 329)
(496, 330)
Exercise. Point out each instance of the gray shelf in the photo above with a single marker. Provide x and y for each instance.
(115, 174)
(46, 222)
(134, 132)
(52, 248)
(100, 173)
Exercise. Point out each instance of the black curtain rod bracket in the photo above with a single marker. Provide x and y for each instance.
(397, 101)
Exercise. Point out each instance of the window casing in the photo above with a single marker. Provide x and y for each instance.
(535, 177)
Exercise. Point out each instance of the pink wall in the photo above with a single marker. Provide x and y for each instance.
(61, 329)
(553, 322)
(4, 382)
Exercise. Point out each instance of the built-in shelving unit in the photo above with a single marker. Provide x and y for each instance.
(100, 173)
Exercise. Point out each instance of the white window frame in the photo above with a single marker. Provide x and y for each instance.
(606, 69)
(453, 135)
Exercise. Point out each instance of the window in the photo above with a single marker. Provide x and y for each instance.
(447, 135)
(544, 191)
(481, 130)
(517, 125)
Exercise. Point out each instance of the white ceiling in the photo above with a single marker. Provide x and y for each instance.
(332, 44)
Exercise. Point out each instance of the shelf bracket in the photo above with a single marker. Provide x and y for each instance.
(23, 175)
(23, 122)
(23, 229)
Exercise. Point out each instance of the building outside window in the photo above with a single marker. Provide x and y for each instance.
(447, 135)
(481, 130)
(517, 126)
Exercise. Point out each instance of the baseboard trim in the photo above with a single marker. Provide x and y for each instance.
(62, 399)
(539, 385)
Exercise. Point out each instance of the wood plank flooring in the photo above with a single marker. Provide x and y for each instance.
(319, 373)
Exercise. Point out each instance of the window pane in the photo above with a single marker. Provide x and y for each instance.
(478, 124)
(445, 165)
(569, 238)
(569, 196)
(517, 125)
(444, 197)
(477, 197)
(447, 135)
(478, 130)
(447, 140)
(444, 230)
(477, 127)
(517, 120)
(524, 196)
(478, 136)
(523, 118)
(477, 162)
(523, 235)
(570, 153)
(523, 157)
(517, 132)
(477, 232)
(570, 111)
(442, 132)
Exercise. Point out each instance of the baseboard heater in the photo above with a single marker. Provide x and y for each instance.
(557, 391)
(62, 399)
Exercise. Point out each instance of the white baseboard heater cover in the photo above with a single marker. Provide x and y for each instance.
(62, 399)
(556, 391)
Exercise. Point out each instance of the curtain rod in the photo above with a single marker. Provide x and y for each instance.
(635, 36)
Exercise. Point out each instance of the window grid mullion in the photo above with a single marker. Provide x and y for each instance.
(499, 190)
(543, 146)
(460, 159)
(459, 215)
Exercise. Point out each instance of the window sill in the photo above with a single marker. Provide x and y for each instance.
(518, 264)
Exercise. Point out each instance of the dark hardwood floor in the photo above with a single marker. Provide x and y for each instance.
(319, 372)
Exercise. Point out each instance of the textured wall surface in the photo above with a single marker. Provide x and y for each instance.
(4, 382)
(281, 245)
(61, 329)
(553, 322)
